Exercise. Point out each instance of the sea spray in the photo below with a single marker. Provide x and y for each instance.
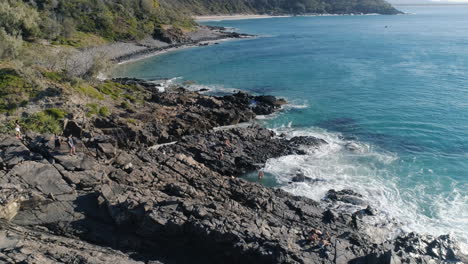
(367, 170)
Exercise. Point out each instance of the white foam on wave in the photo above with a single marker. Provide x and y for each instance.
(295, 104)
(164, 84)
(215, 88)
(361, 167)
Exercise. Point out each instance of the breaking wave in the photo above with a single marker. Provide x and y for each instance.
(372, 172)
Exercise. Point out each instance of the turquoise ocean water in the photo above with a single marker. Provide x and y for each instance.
(390, 94)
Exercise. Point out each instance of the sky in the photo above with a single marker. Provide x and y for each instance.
(427, 1)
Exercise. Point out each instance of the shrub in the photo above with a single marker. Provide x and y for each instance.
(15, 91)
(100, 64)
(79, 40)
(93, 109)
(9, 45)
(132, 121)
(19, 19)
(56, 113)
(110, 88)
(125, 105)
(53, 76)
(7, 127)
(43, 122)
(50, 28)
(89, 91)
(104, 111)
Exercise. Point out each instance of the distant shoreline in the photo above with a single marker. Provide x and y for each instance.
(244, 17)
(232, 17)
(144, 54)
(434, 4)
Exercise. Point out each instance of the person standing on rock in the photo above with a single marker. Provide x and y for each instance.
(57, 142)
(71, 144)
(18, 130)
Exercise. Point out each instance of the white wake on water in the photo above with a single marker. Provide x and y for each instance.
(344, 164)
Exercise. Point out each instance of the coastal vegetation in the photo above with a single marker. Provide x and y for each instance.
(151, 176)
(81, 23)
(39, 40)
(14, 90)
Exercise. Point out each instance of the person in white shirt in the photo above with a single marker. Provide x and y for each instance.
(18, 130)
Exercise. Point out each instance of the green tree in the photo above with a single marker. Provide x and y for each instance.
(18, 18)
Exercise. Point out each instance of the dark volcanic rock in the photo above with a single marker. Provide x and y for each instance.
(236, 151)
(121, 201)
(345, 196)
(22, 245)
(177, 199)
(173, 115)
(171, 35)
(415, 248)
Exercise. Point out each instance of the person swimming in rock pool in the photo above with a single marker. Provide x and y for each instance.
(261, 174)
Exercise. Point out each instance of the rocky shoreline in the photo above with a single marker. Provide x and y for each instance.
(216, 34)
(123, 52)
(164, 185)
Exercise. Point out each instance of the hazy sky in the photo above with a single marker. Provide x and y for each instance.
(426, 1)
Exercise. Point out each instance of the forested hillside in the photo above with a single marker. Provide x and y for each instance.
(79, 23)
(111, 19)
(204, 7)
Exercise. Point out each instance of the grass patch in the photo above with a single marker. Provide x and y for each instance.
(47, 121)
(56, 113)
(125, 105)
(132, 121)
(53, 76)
(43, 122)
(80, 40)
(104, 111)
(94, 109)
(89, 91)
(131, 92)
(111, 89)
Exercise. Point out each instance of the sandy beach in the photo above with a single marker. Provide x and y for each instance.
(232, 17)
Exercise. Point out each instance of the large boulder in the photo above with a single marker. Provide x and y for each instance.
(11, 197)
(41, 177)
(79, 162)
(22, 245)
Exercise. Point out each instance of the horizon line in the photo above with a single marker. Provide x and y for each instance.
(430, 4)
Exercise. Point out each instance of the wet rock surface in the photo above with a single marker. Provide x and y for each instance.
(127, 197)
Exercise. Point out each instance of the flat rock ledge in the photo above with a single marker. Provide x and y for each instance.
(120, 200)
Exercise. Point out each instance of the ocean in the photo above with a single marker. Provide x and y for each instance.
(389, 94)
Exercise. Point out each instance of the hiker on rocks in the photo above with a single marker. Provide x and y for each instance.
(18, 130)
(57, 142)
(71, 144)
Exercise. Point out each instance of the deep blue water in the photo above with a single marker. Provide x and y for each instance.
(394, 88)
